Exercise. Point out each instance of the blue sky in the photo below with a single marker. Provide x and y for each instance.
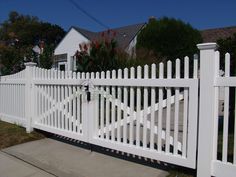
(202, 14)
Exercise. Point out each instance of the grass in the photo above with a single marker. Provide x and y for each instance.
(178, 174)
(11, 134)
(230, 147)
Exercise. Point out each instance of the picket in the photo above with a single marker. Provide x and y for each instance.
(186, 76)
(160, 104)
(226, 111)
(138, 107)
(153, 101)
(132, 72)
(176, 113)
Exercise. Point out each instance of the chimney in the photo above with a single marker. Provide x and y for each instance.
(151, 18)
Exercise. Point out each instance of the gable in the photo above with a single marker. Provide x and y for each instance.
(124, 35)
(70, 43)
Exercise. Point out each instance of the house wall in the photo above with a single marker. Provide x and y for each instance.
(131, 49)
(69, 45)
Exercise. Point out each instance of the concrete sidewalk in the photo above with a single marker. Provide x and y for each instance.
(64, 160)
(13, 167)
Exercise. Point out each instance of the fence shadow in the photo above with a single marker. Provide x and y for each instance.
(121, 155)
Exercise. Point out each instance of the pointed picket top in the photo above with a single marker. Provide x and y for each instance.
(169, 69)
(227, 64)
(97, 75)
(102, 75)
(45, 74)
(119, 73)
(82, 75)
(217, 64)
(70, 74)
(87, 75)
(49, 74)
(113, 74)
(154, 71)
(186, 67)
(161, 70)
(126, 73)
(92, 75)
(78, 75)
(177, 68)
(195, 65)
(146, 69)
(108, 74)
(139, 72)
(132, 72)
(74, 75)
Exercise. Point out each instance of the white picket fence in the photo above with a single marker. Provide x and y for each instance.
(147, 112)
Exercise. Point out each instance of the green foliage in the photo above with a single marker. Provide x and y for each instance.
(9, 58)
(18, 35)
(228, 45)
(169, 38)
(103, 55)
(46, 60)
(100, 55)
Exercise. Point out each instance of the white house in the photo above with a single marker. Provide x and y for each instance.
(126, 38)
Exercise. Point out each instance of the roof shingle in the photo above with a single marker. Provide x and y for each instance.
(124, 35)
(212, 35)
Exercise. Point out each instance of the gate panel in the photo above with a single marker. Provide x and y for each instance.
(149, 117)
(136, 131)
(59, 107)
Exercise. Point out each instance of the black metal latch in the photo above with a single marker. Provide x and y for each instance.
(88, 92)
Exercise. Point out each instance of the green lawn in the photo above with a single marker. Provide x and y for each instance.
(11, 134)
(176, 173)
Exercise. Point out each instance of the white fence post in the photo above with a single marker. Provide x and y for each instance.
(206, 108)
(29, 102)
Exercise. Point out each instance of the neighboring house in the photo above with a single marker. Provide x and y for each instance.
(126, 38)
(212, 35)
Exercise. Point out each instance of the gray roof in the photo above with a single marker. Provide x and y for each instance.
(88, 34)
(124, 35)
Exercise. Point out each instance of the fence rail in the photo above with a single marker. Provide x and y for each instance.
(12, 98)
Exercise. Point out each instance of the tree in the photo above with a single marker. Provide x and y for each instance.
(228, 45)
(19, 34)
(46, 60)
(100, 55)
(168, 38)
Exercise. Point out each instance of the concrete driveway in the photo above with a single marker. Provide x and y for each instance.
(48, 157)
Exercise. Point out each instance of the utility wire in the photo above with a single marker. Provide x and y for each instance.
(88, 14)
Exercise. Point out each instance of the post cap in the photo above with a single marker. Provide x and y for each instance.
(207, 46)
(30, 64)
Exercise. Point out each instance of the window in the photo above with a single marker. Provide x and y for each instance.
(62, 66)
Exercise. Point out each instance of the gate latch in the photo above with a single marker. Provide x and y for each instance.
(88, 92)
(87, 85)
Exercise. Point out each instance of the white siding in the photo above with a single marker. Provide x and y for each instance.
(131, 49)
(70, 44)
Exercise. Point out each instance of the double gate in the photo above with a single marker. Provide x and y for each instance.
(132, 111)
